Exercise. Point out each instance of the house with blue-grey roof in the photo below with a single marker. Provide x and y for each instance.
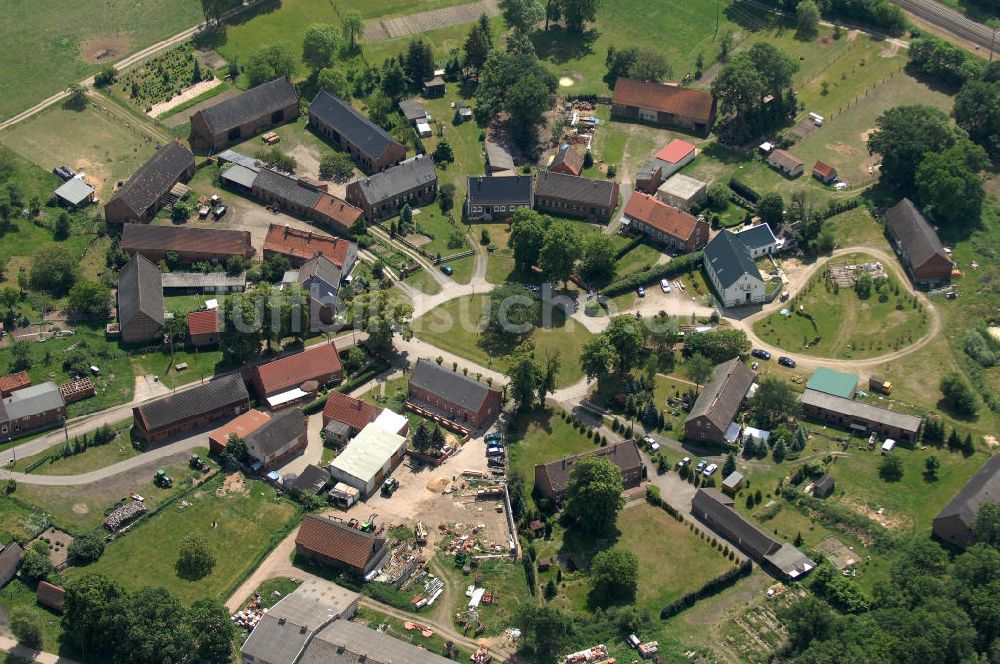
(498, 197)
(412, 182)
(732, 271)
(31, 409)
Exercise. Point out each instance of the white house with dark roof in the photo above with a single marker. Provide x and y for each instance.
(731, 270)
(759, 240)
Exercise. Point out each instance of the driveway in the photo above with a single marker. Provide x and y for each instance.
(314, 447)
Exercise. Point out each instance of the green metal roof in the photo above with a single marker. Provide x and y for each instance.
(837, 383)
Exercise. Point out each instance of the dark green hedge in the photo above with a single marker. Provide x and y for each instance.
(712, 587)
(676, 266)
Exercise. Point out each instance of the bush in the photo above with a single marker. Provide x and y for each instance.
(744, 190)
(26, 627)
(86, 549)
(336, 166)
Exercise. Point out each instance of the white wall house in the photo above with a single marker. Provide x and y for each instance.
(730, 268)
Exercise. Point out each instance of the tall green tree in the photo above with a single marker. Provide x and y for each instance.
(383, 316)
(977, 111)
(597, 359)
(699, 369)
(614, 574)
(598, 258)
(522, 15)
(333, 80)
(524, 374)
(26, 627)
(268, 63)
(949, 185)
(549, 375)
(594, 495)
(88, 615)
(775, 401)
(625, 334)
(544, 629)
(807, 19)
(354, 29)
(213, 630)
(527, 101)
(54, 269)
(419, 63)
(527, 235)
(771, 209)
(560, 251)
(195, 560)
(320, 46)
(150, 627)
(903, 135)
(511, 313)
(88, 298)
(477, 48)
(578, 12)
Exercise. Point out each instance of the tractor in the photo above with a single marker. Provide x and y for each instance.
(389, 486)
(162, 480)
(368, 526)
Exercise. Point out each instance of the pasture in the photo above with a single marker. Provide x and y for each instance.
(55, 43)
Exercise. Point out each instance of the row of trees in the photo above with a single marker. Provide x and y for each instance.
(754, 93)
(557, 249)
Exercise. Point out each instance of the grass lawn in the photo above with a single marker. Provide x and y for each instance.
(464, 269)
(542, 436)
(81, 508)
(114, 385)
(92, 458)
(246, 523)
(273, 591)
(423, 282)
(202, 364)
(642, 257)
(43, 51)
(454, 327)
(846, 326)
(19, 595)
(87, 141)
(445, 239)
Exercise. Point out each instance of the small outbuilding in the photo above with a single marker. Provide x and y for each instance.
(50, 596)
(888, 446)
(682, 191)
(733, 482)
(786, 163)
(825, 173)
(75, 192)
(434, 87)
(824, 486)
(412, 110)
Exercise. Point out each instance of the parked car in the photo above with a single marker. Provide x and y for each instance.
(655, 447)
(493, 437)
(684, 462)
(648, 440)
(701, 466)
(665, 285)
(710, 470)
(496, 462)
(220, 212)
(448, 270)
(641, 291)
(786, 362)
(760, 353)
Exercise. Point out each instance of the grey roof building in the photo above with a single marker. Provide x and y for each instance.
(139, 198)
(824, 485)
(245, 115)
(286, 188)
(312, 480)
(552, 479)
(918, 246)
(352, 131)
(575, 195)
(283, 632)
(759, 239)
(412, 181)
(239, 176)
(719, 401)
(732, 271)
(345, 642)
(716, 510)
(140, 300)
(30, 409)
(859, 416)
(204, 282)
(278, 439)
(10, 561)
(191, 408)
(498, 197)
(453, 392)
(412, 109)
(954, 523)
(75, 192)
(498, 159)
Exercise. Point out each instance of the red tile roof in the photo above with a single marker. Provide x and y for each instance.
(824, 170)
(341, 211)
(203, 322)
(337, 541)
(14, 381)
(320, 364)
(242, 426)
(674, 151)
(348, 410)
(140, 238)
(666, 98)
(661, 216)
(305, 244)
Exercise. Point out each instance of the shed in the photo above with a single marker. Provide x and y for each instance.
(824, 486)
(424, 129)
(825, 173)
(682, 192)
(786, 163)
(412, 109)
(50, 596)
(732, 482)
(75, 192)
(434, 87)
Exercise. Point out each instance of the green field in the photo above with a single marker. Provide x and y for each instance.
(454, 327)
(202, 364)
(43, 49)
(246, 522)
(92, 458)
(846, 325)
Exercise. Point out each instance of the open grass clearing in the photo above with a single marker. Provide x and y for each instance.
(842, 324)
(87, 141)
(423, 282)
(55, 43)
(19, 595)
(92, 458)
(439, 236)
(201, 365)
(454, 327)
(238, 526)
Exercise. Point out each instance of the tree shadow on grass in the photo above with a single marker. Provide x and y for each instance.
(560, 46)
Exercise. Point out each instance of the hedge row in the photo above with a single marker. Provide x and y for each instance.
(839, 207)
(712, 587)
(635, 242)
(744, 190)
(675, 267)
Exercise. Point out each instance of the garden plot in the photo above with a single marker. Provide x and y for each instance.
(401, 26)
(162, 79)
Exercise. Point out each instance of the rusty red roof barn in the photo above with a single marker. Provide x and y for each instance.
(300, 246)
(242, 426)
(14, 381)
(50, 595)
(663, 104)
(321, 364)
(190, 244)
(337, 544)
(203, 322)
